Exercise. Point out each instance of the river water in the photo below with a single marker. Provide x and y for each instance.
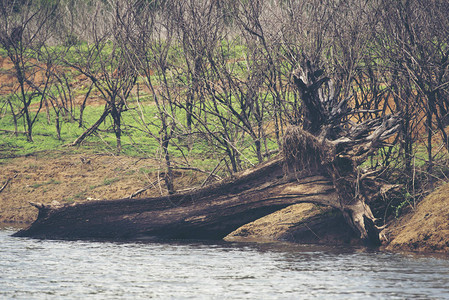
(45, 269)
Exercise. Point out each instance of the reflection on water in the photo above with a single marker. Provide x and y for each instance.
(35, 269)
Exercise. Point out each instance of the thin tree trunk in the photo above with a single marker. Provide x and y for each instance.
(83, 105)
(168, 178)
(116, 117)
(58, 127)
(29, 125)
(14, 117)
(430, 103)
(91, 129)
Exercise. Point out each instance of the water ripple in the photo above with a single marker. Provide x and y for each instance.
(36, 269)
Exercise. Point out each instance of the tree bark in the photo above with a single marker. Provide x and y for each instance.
(91, 129)
(332, 144)
(207, 213)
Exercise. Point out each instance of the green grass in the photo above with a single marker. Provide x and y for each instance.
(45, 137)
(51, 181)
(106, 181)
(69, 200)
(79, 196)
(109, 181)
(135, 142)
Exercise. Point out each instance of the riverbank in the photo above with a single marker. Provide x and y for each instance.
(424, 228)
(69, 177)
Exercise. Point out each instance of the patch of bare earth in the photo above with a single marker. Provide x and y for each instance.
(304, 223)
(425, 229)
(69, 178)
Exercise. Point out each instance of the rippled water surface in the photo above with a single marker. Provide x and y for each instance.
(36, 269)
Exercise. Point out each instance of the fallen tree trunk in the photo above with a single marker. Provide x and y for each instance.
(207, 213)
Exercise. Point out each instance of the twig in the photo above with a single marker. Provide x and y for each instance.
(186, 190)
(271, 152)
(6, 183)
(413, 181)
(312, 231)
(211, 174)
(151, 185)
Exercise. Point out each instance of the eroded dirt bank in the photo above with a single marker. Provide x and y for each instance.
(300, 223)
(422, 229)
(425, 228)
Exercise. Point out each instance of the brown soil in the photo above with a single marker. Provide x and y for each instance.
(274, 226)
(303, 223)
(69, 178)
(424, 229)
(79, 87)
(7, 79)
(9, 84)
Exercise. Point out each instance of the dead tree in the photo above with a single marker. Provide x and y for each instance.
(331, 144)
(22, 34)
(211, 212)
